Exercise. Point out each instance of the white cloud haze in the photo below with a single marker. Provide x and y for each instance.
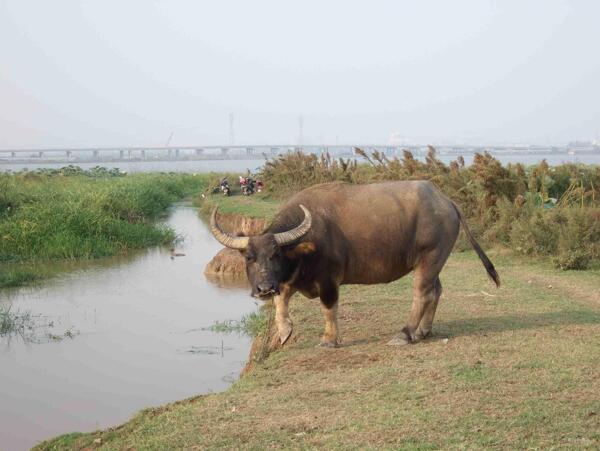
(105, 72)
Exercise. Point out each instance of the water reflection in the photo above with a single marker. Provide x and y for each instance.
(144, 339)
(229, 281)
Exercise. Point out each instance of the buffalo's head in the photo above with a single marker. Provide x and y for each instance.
(270, 257)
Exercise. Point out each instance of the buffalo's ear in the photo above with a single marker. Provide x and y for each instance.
(301, 250)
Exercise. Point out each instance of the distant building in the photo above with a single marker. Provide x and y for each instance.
(581, 146)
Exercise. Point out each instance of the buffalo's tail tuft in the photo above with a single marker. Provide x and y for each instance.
(489, 266)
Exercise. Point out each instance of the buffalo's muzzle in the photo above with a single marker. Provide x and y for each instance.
(265, 290)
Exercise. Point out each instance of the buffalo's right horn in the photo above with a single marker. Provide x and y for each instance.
(290, 236)
(234, 242)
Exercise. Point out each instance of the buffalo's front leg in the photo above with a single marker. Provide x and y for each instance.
(282, 316)
(329, 306)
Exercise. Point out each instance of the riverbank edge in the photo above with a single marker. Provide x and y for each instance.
(248, 216)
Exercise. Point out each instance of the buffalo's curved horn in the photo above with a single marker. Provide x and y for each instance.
(234, 242)
(284, 238)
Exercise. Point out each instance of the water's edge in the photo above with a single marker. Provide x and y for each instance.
(142, 340)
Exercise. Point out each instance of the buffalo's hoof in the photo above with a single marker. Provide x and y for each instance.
(285, 332)
(399, 340)
(328, 344)
(420, 335)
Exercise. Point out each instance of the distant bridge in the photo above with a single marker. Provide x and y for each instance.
(107, 154)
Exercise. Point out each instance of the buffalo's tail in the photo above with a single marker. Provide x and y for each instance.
(489, 266)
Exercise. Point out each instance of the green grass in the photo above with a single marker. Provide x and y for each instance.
(18, 277)
(513, 368)
(84, 215)
(252, 324)
(255, 206)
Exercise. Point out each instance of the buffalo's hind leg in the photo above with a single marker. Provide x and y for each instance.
(426, 293)
(329, 305)
(426, 323)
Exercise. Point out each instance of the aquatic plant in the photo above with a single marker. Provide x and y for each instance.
(252, 324)
(17, 277)
(14, 322)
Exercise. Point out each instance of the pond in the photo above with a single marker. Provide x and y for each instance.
(117, 335)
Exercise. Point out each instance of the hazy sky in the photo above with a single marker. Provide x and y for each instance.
(104, 72)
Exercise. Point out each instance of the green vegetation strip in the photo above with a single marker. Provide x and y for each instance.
(256, 206)
(75, 214)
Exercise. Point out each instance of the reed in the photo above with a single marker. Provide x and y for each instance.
(535, 210)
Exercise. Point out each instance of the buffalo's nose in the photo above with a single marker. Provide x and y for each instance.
(265, 288)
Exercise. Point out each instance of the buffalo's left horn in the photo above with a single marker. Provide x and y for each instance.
(234, 242)
(290, 236)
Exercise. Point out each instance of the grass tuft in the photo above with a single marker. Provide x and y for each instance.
(17, 277)
(14, 323)
(252, 324)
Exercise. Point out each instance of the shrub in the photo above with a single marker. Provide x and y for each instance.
(295, 171)
(579, 238)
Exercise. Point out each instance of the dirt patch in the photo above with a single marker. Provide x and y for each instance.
(341, 358)
(227, 263)
(240, 224)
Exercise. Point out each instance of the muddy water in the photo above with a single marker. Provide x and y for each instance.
(138, 340)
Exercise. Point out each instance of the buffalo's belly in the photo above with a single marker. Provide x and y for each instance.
(375, 271)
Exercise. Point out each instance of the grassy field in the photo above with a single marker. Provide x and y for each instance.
(256, 206)
(509, 368)
(79, 215)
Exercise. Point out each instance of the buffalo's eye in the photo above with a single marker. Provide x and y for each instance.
(249, 257)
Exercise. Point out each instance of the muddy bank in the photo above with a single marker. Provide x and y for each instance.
(234, 224)
(229, 263)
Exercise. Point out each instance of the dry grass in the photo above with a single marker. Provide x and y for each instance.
(519, 370)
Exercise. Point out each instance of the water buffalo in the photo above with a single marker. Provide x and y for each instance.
(337, 233)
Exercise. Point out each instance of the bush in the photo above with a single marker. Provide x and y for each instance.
(295, 171)
(579, 238)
